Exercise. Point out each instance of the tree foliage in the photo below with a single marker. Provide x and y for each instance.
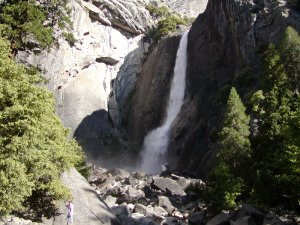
(168, 25)
(277, 107)
(33, 21)
(34, 146)
(167, 21)
(158, 11)
(234, 137)
(226, 181)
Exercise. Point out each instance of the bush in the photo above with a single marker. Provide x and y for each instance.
(157, 11)
(27, 22)
(223, 188)
(69, 38)
(168, 25)
(168, 22)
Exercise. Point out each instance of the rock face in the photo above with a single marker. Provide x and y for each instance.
(226, 45)
(225, 48)
(148, 104)
(191, 8)
(81, 75)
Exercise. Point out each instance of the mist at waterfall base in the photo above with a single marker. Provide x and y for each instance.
(156, 142)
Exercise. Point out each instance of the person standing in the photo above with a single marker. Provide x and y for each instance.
(70, 214)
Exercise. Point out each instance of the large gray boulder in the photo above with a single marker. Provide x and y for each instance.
(220, 219)
(89, 208)
(247, 220)
(165, 184)
(165, 202)
(248, 210)
(196, 217)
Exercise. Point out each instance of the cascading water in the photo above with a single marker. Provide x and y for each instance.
(156, 142)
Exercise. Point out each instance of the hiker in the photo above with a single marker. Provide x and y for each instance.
(14, 50)
(70, 215)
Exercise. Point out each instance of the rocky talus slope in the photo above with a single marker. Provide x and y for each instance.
(118, 197)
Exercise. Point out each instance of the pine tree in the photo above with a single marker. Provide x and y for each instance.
(277, 107)
(227, 179)
(234, 137)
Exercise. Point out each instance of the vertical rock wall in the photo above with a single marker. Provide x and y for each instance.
(108, 35)
(226, 46)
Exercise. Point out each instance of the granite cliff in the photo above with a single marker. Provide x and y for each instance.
(226, 45)
(93, 77)
(109, 85)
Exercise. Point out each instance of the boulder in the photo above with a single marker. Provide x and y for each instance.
(178, 214)
(147, 221)
(196, 217)
(120, 210)
(134, 194)
(118, 172)
(97, 180)
(160, 211)
(89, 208)
(248, 210)
(142, 220)
(131, 181)
(110, 201)
(171, 221)
(127, 220)
(138, 175)
(247, 220)
(272, 219)
(165, 202)
(220, 219)
(147, 211)
(12, 220)
(165, 184)
(183, 182)
(144, 201)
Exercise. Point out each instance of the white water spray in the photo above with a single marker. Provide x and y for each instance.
(156, 142)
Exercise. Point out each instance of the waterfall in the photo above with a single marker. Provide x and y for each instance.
(156, 142)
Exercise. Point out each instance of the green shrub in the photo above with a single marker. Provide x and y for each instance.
(26, 22)
(168, 25)
(168, 22)
(157, 11)
(223, 188)
(70, 38)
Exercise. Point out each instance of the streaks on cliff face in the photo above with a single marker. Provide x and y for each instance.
(226, 44)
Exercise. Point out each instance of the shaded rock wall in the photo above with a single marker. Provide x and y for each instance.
(225, 49)
(148, 104)
(226, 46)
